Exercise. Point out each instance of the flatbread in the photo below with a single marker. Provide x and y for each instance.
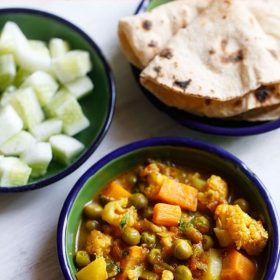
(145, 35)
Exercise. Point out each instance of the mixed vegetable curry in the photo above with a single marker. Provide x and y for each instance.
(161, 221)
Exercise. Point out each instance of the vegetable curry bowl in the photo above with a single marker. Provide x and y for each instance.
(168, 208)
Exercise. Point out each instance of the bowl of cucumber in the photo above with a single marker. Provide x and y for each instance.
(57, 97)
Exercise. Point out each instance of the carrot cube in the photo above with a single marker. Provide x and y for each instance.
(166, 214)
(115, 190)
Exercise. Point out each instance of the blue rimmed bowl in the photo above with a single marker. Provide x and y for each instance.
(178, 150)
(98, 106)
(203, 124)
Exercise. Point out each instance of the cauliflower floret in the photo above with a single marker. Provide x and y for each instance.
(215, 192)
(239, 228)
(116, 214)
(98, 243)
(167, 275)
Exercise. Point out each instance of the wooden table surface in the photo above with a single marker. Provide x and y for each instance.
(28, 220)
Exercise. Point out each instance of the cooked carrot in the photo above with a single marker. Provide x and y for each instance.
(237, 266)
(166, 214)
(116, 190)
(177, 193)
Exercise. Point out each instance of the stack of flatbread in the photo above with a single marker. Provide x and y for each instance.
(214, 58)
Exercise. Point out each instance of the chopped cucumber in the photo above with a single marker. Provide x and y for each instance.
(39, 47)
(72, 65)
(17, 144)
(10, 123)
(80, 87)
(38, 158)
(7, 95)
(21, 76)
(65, 148)
(7, 70)
(27, 106)
(58, 47)
(46, 129)
(43, 84)
(13, 172)
(66, 108)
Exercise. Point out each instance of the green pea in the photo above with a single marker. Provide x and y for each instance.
(103, 199)
(131, 236)
(182, 272)
(154, 256)
(182, 249)
(138, 200)
(93, 210)
(132, 179)
(148, 238)
(202, 224)
(148, 212)
(91, 225)
(82, 259)
(242, 203)
(193, 234)
(148, 275)
(207, 242)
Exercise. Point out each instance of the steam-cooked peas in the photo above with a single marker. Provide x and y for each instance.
(93, 210)
(91, 225)
(207, 242)
(138, 200)
(148, 238)
(202, 224)
(82, 259)
(243, 204)
(182, 272)
(132, 179)
(154, 256)
(131, 236)
(182, 249)
(148, 212)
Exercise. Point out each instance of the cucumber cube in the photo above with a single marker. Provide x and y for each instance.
(7, 95)
(10, 123)
(72, 65)
(58, 47)
(43, 84)
(66, 108)
(28, 107)
(17, 144)
(46, 129)
(65, 148)
(21, 76)
(7, 70)
(39, 47)
(38, 158)
(13, 172)
(80, 87)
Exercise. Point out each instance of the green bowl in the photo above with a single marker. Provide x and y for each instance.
(179, 150)
(98, 106)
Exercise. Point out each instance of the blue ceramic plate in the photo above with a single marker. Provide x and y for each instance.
(208, 125)
(178, 150)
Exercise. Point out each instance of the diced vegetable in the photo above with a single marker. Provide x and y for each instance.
(43, 131)
(96, 270)
(17, 144)
(38, 158)
(72, 65)
(58, 47)
(7, 95)
(80, 87)
(7, 70)
(115, 190)
(21, 76)
(39, 47)
(10, 123)
(13, 172)
(236, 266)
(166, 215)
(27, 106)
(65, 148)
(214, 265)
(43, 84)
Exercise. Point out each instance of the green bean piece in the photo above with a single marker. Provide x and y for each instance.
(91, 225)
(148, 238)
(93, 210)
(207, 242)
(138, 200)
(149, 275)
(202, 224)
(182, 249)
(82, 259)
(154, 256)
(193, 234)
(242, 203)
(148, 212)
(131, 236)
(182, 272)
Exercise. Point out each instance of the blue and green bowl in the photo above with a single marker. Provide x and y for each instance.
(98, 106)
(179, 150)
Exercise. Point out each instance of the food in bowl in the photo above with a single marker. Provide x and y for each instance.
(203, 69)
(40, 112)
(161, 220)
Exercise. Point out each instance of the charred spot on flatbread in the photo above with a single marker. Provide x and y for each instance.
(157, 69)
(273, 53)
(211, 52)
(182, 84)
(166, 53)
(233, 57)
(152, 44)
(147, 25)
(262, 94)
(237, 103)
(208, 102)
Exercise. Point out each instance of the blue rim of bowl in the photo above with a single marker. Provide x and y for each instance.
(167, 141)
(204, 124)
(111, 105)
